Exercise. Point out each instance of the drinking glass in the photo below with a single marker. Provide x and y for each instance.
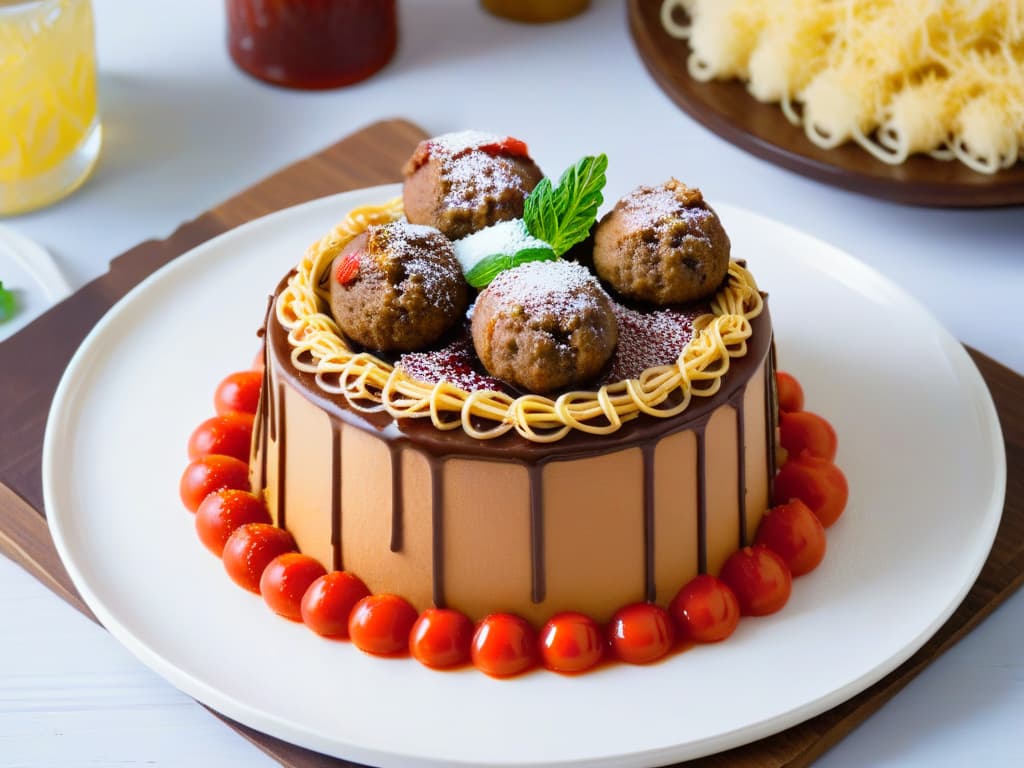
(49, 122)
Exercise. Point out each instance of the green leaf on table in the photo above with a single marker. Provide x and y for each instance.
(8, 305)
(563, 215)
(485, 270)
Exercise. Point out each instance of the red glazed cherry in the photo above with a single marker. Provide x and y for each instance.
(805, 431)
(641, 633)
(760, 579)
(791, 394)
(510, 147)
(795, 534)
(225, 510)
(348, 268)
(286, 579)
(504, 645)
(818, 483)
(250, 549)
(380, 624)
(239, 391)
(210, 473)
(571, 642)
(705, 610)
(329, 601)
(229, 435)
(440, 638)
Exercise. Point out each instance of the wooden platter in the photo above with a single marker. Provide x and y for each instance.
(727, 110)
(32, 361)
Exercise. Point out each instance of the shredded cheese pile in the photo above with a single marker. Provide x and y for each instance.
(944, 77)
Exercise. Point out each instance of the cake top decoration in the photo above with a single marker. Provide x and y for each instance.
(544, 326)
(555, 218)
(581, 378)
(463, 182)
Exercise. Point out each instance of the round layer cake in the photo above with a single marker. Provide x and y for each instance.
(589, 523)
(432, 480)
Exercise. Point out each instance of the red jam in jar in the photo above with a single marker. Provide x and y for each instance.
(311, 43)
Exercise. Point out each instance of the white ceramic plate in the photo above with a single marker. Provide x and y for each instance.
(29, 271)
(919, 442)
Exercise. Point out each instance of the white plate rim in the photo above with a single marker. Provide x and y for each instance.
(296, 732)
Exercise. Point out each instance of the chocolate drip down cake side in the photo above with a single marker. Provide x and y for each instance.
(478, 397)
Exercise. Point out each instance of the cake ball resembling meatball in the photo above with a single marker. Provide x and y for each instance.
(464, 182)
(662, 245)
(397, 287)
(544, 326)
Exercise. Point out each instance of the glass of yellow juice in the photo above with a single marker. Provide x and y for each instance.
(49, 122)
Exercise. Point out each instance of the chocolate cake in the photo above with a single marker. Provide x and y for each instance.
(439, 476)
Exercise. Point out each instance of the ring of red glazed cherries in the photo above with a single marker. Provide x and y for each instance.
(810, 493)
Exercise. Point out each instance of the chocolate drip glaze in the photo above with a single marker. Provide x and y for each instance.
(271, 405)
(702, 499)
(741, 466)
(397, 503)
(282, 448)
(259, 438)
(538, 577)
(259, 434)
(437, 523)
(436, 446)
(771, 409)
(336, 495)
(650, 588)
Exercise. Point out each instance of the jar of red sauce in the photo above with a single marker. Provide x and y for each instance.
(311, 43)
(535, 11)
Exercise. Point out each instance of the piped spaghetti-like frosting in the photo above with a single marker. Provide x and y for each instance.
(371, 384)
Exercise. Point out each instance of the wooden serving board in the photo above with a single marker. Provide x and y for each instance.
(32, 361)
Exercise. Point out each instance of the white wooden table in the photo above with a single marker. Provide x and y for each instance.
(184, 130)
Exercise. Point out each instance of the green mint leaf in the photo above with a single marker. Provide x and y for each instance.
(8, 305)
(533, 254)
(485, 270)
(540, 213)
(563, 215)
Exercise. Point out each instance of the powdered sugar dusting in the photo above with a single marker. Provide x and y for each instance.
(456, 363)
(472, 175)
(406, 230)
(477, 176)
(652, 206)
(647, 339)
(462, 141)
(558, 287)
(423, 254)
(507, 237)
